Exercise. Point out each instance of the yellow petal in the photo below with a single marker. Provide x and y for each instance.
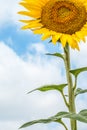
(36, 25)
(30, 6)
(31, 14)
(56, 37)
(30, 21)
(54, 40)
(76, 38)
(40, 31)
(72, 43)
(45, 36)
(38, 2)
(81, 35)
(63, 39)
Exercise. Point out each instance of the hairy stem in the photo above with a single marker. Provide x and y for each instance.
(70, 87)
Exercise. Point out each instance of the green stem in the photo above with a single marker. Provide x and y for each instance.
(65, 99)
(75, 83)
(64, 125)
(70, 87)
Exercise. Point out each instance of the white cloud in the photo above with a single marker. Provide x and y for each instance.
(37, 47)
(79, 57)
(8, 12)
(17, 77)
(78, 61)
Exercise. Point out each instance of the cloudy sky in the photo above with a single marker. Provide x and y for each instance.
(23, 67)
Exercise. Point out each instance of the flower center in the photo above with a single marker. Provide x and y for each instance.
(63, 16)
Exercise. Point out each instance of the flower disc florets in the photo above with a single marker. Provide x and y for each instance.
(63, 16)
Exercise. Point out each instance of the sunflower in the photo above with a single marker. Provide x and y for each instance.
(62, 20)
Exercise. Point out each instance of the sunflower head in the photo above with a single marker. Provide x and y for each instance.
(64, 20)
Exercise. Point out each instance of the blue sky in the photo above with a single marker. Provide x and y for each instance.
(23, 67)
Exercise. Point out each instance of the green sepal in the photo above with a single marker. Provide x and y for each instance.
(50, 87)
(57, 41)
(81, 116)
(76, 72)
(80, 91)
(56, 54)
(50, 41)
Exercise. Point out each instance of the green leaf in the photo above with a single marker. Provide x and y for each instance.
(81, 116)
(35, 122)
(50, 87)
(56, 54)
(56, 118)
(77, 117)
(78, 71)
(83, 112)
(80, 91)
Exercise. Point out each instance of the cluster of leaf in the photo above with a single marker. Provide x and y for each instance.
(81, 116)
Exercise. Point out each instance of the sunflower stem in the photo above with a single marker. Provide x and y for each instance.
(75, 83)
(67, 104)
(70, 87)
(64, 125)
